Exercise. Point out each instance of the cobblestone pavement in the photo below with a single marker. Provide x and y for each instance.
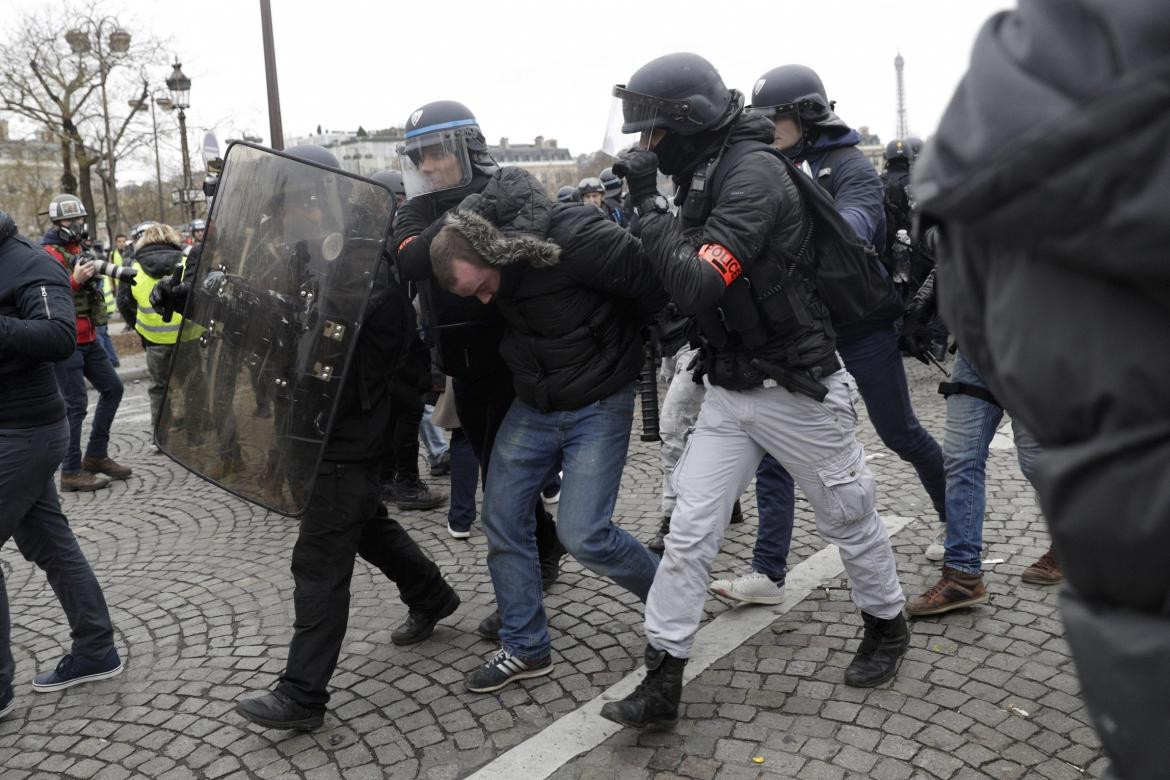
(200, 592)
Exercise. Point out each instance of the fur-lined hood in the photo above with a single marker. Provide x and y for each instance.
(499, 249)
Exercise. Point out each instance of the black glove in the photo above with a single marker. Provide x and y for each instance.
(169, 295)
(639, 168)
(914, 340)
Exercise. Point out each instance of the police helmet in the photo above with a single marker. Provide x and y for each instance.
(590, 184)
(793, 89)
(611, 181)
(393, 181)
(443, 143)
(198, 224)
(915, 144)
(66, 207)
(681, 93)
(314, 154)
(898, 150)
(568, 194)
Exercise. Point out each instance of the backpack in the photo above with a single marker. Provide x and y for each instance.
(849, 276)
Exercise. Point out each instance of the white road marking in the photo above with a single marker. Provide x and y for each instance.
(584, 728)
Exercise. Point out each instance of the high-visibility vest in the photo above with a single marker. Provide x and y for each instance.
(149, 323)
(108, 283)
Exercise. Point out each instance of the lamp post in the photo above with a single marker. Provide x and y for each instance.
(117, 42)
(180, 86)
(165, 104)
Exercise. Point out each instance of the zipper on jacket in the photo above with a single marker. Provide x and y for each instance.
(45, 298)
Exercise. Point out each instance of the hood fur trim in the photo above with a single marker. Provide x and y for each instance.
(500, 249)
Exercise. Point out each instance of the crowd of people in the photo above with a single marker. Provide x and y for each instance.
(782, 284)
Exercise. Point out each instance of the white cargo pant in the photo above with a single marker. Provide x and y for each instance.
(817, 443)
(677, 415)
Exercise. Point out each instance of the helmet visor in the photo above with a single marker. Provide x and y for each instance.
(436, 160)
(632, 117)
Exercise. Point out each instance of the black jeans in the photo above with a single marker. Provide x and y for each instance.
(401, 442)
(30, 513)
(481, 405)
(464, 481)
(88, 361)
(346, 518)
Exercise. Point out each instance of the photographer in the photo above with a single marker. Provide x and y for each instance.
(89, 360)
(36, 328)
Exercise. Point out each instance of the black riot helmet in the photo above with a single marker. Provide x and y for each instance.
(443, 145)
(898, 150)
(393, 181)
(915, 144)
(681, 93)
(792, 89)
(612, 183)
(590, 184)
(568, 194)
(314, 154)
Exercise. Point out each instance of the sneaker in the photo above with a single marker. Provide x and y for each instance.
(105, 465)
(7, 703)
(489, 627)
(441, 467)
(751, 588)
(552, 493)
(76, 669)
(277, 711)
(1045, 571)
(956, 590)
(937, 550)
(503, 669)
(413, 493)
(458, 533)
(420, 625)
(82, 481)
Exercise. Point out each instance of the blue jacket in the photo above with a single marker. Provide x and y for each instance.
(848, 175)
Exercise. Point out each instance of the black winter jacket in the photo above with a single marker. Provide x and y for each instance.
(758, 218)
(36, 328)
(575, 291)
(157, 261)
(1050, 176)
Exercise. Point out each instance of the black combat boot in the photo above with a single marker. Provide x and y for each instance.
(736, 514)
(881, 650)
(655, 701)
(658, 543)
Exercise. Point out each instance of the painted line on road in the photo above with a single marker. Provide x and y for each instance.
(584, 729)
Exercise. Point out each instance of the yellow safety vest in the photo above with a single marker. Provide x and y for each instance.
(149, 323)
(108, 283)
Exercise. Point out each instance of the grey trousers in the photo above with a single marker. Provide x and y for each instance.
(676, 417)
(817, 443)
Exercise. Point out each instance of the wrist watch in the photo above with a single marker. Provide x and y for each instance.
(657, 204)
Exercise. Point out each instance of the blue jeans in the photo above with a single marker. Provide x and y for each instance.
(432, 436)
(88, 361)
(971, 425)
(590, 444)
(875, 362)
(30, 513)
(103, 334)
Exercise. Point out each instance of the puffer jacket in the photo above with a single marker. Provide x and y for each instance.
(1050, 176)
(36, 329)
(575, 291)
(157, 261)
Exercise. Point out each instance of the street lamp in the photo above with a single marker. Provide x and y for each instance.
(180, 86)
(118, 42)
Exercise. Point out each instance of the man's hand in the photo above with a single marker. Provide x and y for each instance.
(83, 272)
(639, 168)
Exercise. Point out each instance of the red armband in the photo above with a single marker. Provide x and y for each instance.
(719, 258)
(406, 241)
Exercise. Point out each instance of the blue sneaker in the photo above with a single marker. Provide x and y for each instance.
(75, 669)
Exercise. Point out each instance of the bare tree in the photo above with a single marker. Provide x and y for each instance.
(72, 83)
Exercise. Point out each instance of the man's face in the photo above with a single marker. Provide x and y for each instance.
(787, 132)
(596, 198)
(441, 168)
(473, 280)
(120, 242)
(197, 235)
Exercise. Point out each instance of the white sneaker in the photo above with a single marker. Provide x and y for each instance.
(937, 551)
(751, 588)
(457, 534)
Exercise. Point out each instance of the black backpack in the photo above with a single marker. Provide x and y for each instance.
(850, 278)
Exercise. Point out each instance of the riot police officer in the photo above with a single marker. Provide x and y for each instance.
(775, 384)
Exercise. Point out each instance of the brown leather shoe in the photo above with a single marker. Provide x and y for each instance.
(956, 589)
(105, 465)
(83, 481)
(1045, 571)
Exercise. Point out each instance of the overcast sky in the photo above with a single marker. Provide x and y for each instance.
(528, 68)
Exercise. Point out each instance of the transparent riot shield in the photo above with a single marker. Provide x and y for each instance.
(277, 297)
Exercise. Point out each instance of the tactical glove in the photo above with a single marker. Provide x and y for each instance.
(639, 168)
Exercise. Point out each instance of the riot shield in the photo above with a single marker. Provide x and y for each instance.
(277, 298)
